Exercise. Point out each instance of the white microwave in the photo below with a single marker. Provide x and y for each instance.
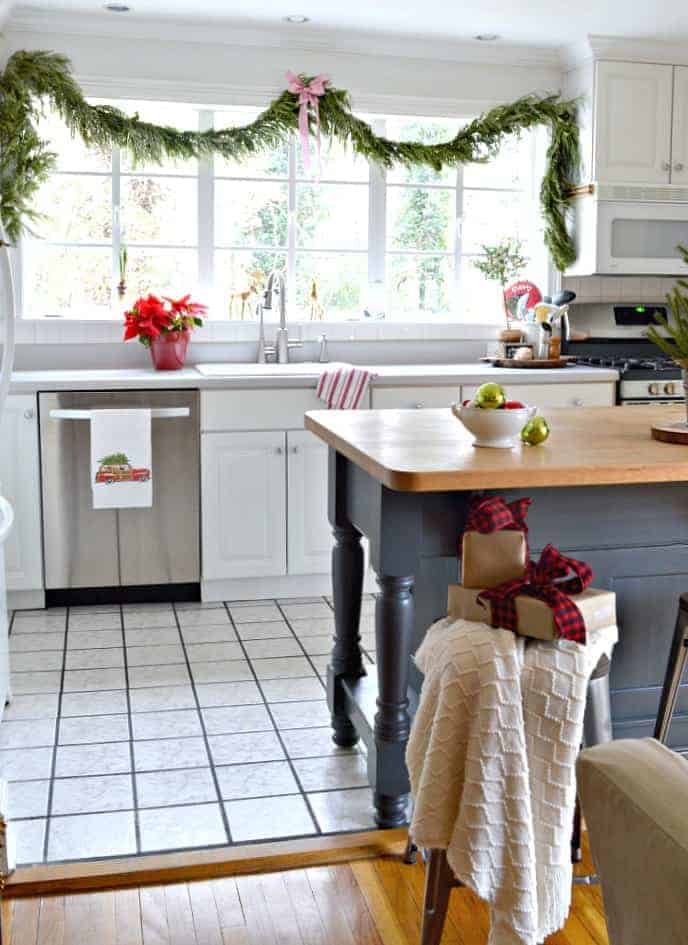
(630, 230)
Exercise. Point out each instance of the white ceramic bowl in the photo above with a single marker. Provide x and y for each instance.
(499, 429)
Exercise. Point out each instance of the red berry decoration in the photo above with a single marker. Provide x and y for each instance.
(514, 405)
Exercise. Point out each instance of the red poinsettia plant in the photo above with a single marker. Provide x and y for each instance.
(151, 316)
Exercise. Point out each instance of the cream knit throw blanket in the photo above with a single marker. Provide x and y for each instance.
(492, 764)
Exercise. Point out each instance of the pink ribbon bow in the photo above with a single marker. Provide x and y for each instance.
(309, 93)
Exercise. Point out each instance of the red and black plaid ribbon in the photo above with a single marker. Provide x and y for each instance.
(551, 580)
(493, 514)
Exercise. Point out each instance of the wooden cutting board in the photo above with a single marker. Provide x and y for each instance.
(530, 364)
(671, 432)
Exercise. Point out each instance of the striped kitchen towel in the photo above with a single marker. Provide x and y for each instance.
(342, 386)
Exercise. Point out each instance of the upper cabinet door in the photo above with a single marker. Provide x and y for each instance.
(20, 483)
(679, 150)
(633, 124)
(244, 508)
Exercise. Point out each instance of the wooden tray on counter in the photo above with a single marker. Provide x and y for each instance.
(532, 363)
(671, 432)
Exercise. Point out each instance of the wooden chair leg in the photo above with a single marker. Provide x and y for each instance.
(576, 850)
(5, 921)
(411, 852)
(438, 885)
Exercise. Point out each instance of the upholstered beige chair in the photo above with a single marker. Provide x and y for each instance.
(634, 795)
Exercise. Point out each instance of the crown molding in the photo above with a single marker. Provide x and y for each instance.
(28, 19)
(624, 49)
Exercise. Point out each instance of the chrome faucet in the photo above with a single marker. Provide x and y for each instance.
(277, 286)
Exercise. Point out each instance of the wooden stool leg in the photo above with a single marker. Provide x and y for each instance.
(411, 852)
(576, 850)
(438, 885)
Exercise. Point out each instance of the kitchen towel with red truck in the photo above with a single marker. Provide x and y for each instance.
(121, 474)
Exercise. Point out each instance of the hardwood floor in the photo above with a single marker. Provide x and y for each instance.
(368, 902)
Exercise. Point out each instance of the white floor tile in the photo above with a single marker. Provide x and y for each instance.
(95, 621)
(25, 683)
(321, 663)
(214, 634)
(95, 659)
(264, 649)
(245, 747)
(316, 611)
(174, 674)
(201, 652)
(343, 810)
(85, 836)
(267, 817)
(324, 774)
(38, 622)
(25, 764)
(171, 828)
(144, 619)
(221, 671)
(81, 760)
(203, 618)
(43, 706)
(154, 607)
(93, 729)
(94, 703)
(33, 642)
(318, 645)
(28, 799)
(169, 753)
(177, 723)
(29, 839)
(310, 627)
(155, 655)
(33, 733)
(39, 660)
(192, 605)
(90, 680)
(154, 699)
(267, 630)
(312, 743)
(95, 609)
(237, 693)
(167, 788)
(300, 714)
(254, 612)
(293, 690)
(289, 667)
(229, 720)
(92, 794)
(256, 780)
(151, 636)
(93, 639)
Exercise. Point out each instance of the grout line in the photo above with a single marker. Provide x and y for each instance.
(278, 733)
(303, 648)
(53, 761)
(132, 773)
(213, 772)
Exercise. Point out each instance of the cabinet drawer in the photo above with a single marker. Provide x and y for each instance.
(557, 395)
(405, 398)
(272, 409)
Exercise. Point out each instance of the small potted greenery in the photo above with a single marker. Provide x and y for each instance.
(503, 262)
(673, 339)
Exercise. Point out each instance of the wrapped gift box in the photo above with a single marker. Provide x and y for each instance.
(535, 618)
(492, 559)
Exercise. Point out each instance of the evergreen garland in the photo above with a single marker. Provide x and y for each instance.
(31, 78)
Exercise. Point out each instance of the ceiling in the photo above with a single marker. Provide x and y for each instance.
(551, 23)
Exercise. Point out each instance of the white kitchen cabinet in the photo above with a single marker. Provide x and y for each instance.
(556, 395)
(309, 543)
(409, 398)
(244, 507)
(20, 484)
(633, 122)
(679, 137)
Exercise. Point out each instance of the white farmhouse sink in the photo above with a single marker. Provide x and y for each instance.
(229, 369)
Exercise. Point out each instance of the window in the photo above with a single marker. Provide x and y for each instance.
(356, 243)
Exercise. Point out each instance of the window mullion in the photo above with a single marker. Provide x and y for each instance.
(116, 225)
(458, 241)
(206, 219)
(291, 229)
(377, 230)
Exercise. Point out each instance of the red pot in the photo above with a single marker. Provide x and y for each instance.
(168, 350)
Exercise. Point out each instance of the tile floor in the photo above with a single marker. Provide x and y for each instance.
(156, 727)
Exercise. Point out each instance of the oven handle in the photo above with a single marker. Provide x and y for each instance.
(157, 413)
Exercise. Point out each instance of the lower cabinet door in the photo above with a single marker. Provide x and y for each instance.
(20, 484)
(310, 533)
(244, 514)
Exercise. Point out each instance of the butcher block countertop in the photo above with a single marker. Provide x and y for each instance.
(430, 450)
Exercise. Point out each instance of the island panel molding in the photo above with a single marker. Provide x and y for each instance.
(429, 450)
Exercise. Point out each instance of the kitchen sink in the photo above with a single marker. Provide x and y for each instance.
(231, 369)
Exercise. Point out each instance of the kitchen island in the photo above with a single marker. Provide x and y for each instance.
(603, 490)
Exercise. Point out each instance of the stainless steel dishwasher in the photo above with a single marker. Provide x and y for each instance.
(105, 555)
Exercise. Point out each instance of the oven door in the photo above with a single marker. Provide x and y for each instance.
(641, 237)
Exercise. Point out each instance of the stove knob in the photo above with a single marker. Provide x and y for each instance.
(653, 389)
(669, 388)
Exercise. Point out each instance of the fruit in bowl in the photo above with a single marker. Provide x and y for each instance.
(490, 396)
(499, 429)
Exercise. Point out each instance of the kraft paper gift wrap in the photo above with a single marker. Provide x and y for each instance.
(492, 559)
(535, 618)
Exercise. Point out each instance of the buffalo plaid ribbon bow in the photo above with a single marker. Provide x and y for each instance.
(494, 514)
(551, 579)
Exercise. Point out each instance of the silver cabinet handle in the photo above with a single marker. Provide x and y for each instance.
(419, 406)
(666, 166)
(678, 166)
(577, 402)
(157, 413)
(294, 450)
(279, 450)
(28, 414)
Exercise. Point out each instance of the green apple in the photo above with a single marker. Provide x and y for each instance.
(490, 396)
(535, 431)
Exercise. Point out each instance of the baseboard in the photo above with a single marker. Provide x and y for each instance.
(26, 600)
(61, 878)
(263, 588)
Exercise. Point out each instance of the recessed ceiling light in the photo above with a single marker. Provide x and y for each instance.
(486, 37)
(296, 18)
(116, 7)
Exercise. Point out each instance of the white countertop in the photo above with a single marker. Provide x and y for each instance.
(261, 376)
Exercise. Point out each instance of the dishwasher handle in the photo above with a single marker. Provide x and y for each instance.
(157, 413)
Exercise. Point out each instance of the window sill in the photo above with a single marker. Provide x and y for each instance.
(85, 331)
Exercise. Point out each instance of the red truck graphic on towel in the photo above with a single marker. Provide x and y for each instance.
(117, 468)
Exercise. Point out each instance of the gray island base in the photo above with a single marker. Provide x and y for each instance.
(633, 532)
